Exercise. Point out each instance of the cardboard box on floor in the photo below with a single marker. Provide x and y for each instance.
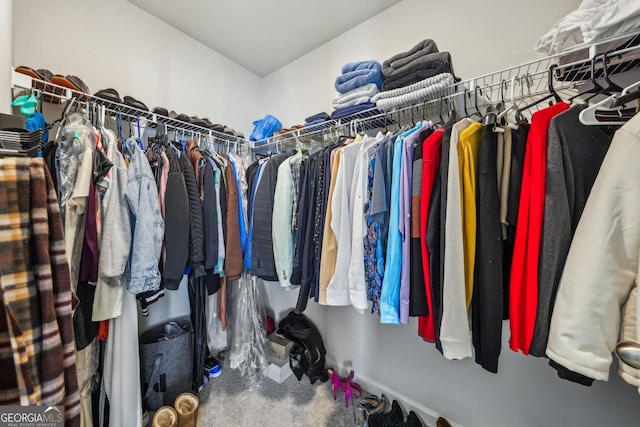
(280, 346)
(279, 370)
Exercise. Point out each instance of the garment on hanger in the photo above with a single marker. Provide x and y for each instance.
(406, 179)
(601, 268)
(468, 147)
(115, 242)
(455, 336)
(362, 258)
(391, 284)
(574, 155)
(329, 248)
(283, 233)
(28, 189)
(234, 218)
(263, 265)
(339, 291)
(432, 154)
(487, 302)
(526, 254)
(177, 224)
(518, 143)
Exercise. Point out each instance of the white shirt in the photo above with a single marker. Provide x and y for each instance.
(341, 222)
(455, 335)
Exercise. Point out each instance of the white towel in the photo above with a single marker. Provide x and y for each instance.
(359, 95)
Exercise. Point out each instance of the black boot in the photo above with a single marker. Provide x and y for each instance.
(412, 420)
(393, 418)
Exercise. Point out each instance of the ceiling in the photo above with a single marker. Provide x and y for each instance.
(262, 36)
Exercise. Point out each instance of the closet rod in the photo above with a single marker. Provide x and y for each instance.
(44, 88)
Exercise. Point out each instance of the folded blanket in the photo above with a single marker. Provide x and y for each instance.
(348, 111)
(313, 123)
(429, 89)
(403, 59)
(319, 116)
(359, 95)
(356, 74)
(430, 81)
(425, 67)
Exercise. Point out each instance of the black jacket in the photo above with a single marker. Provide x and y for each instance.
(308, 353)
(177, 224)
(196, 227)
(487, 289)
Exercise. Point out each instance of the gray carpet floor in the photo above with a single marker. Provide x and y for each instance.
(227, 402)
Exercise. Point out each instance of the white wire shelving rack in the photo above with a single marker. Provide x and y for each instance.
(569, 71)
(88, 104)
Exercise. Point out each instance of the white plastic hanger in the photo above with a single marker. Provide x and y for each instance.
(588, 115)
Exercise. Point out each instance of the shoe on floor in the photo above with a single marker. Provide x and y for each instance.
(442, 422)
(393, 418)
(165, 416)
(412, 420)
(212, 366)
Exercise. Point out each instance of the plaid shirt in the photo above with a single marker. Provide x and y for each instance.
(37, 353)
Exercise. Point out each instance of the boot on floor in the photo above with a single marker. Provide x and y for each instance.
(395, 417)
(165, 416)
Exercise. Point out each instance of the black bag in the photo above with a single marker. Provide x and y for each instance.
(165, 363)
(308, 353)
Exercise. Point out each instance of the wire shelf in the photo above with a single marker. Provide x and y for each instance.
(570, 70)
(57, 94)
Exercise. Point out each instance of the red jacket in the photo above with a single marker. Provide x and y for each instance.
(523, 301)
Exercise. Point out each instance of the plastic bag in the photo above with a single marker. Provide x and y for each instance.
(264, 128)
(248, 339)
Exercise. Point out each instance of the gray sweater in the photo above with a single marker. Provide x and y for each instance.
(574, 155)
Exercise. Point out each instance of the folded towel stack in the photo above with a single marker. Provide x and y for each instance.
(358, 82)
(359, 95)
(421, 62)
(316, 119)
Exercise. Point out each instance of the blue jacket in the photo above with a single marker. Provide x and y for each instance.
(147, 223)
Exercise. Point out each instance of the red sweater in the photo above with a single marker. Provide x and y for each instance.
(430, 167)
(523, 301)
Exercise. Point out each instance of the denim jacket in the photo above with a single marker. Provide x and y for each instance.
(146, 221)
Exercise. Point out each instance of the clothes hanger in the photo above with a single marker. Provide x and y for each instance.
(512, 104)
(552, 95)
(595, 86)
(491, 114)
(441, 110)
(475, 101)
(589, 116)
(611, 86)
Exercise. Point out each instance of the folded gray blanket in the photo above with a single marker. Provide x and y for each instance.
(419, 69)
(403, 59)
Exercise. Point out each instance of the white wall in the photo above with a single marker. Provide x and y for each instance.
(482, 37)
(115, 44)
(6, 53)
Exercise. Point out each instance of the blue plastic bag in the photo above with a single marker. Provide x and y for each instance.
(264, 128)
